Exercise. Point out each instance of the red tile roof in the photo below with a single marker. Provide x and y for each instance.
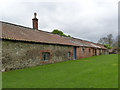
(17, 32)
(85, 43)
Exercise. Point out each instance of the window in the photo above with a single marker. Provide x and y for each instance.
(68, 54)
(83, 50)
(89, 51)
(45, 56)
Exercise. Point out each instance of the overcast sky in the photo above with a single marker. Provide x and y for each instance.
(84, 19)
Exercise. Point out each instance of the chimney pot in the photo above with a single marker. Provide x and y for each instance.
(35, 14)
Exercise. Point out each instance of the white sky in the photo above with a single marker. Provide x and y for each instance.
(85, 19)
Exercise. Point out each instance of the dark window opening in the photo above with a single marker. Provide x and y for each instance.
(45, 56)
(83, 50)
(68, 54)
(89, 51)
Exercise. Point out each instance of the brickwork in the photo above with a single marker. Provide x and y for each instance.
(35, 22)
(86, 53)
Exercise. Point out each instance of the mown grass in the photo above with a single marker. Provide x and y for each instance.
(93, 72)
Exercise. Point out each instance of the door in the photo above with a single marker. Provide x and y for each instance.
(74, 53)
(95, 52)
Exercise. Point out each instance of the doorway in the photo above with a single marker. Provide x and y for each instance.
(74, 53)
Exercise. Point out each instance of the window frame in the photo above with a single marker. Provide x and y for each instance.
(69, 54)
(45, 51)
(44, 55)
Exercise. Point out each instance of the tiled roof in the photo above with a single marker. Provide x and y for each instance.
(85, 43)
(14, 32)
(17, 32)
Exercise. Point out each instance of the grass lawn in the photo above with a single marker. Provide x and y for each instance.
(93, 72)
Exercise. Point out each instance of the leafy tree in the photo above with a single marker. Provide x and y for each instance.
(56, 31)
(107, 46)
(107, 41)
(69, 36)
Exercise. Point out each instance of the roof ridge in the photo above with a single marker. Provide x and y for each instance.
(30, 28)
(16, 25)
(85, 40)
(25, 27)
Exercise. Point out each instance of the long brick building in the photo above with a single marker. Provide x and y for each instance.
(24, 47)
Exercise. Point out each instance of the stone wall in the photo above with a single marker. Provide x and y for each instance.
(17, 55)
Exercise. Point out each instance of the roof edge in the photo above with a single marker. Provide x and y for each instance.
(25, 27)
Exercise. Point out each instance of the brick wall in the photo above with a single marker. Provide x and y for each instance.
(86, 53)
(80, 54)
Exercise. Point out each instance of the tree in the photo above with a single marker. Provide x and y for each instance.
(106, 40)
(69, 36)
(116, 42)
(56, 31)
(103, 40)
(110, 40)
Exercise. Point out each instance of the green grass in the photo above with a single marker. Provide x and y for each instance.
(93, 72)
(0, 80)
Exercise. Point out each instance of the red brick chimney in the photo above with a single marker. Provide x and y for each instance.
(35, 22)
